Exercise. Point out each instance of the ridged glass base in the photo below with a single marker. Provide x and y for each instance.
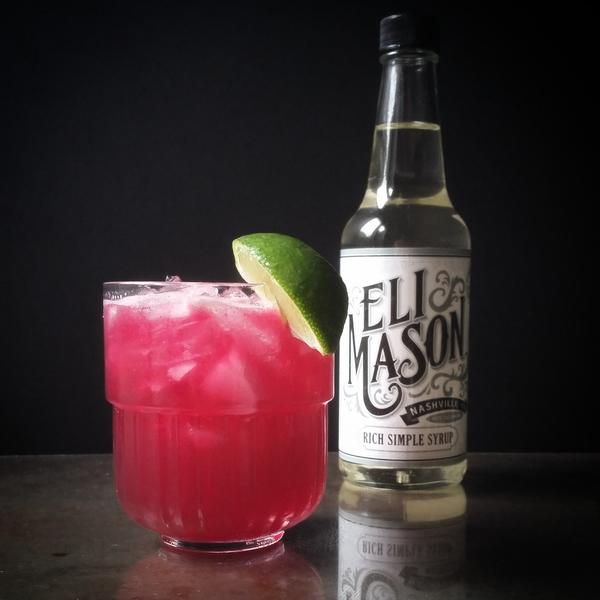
(411, 475)
(220, 547)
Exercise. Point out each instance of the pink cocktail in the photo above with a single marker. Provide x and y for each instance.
(219, 413)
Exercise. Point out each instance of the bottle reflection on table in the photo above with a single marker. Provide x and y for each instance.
(401, 545)
(274, 573)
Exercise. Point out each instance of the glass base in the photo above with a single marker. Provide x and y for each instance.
(220, 547)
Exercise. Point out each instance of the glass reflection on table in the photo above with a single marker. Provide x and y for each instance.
(274, 573)
(401, 545)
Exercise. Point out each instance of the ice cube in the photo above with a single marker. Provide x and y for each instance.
(234, 291)
(226, 385)
(110, 312)
(165, 305)
(180, 309)
(179, 371)
(202, 435)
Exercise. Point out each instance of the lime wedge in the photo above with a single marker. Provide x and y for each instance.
(311, 295)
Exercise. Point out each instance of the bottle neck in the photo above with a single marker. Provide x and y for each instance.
(407, 164)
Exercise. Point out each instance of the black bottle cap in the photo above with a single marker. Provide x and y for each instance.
(409, 31)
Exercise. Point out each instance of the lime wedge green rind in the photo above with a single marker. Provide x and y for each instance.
(310, 293)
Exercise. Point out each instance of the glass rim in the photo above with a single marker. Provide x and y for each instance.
(240, 284)
(117, 290)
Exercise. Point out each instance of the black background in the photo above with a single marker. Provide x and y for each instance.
(140, 140)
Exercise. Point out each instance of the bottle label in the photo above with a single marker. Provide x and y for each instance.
(403, 355)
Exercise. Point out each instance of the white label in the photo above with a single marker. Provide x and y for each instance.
(403, 355)
(394, 564)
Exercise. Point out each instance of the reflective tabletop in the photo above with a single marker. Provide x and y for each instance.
(521, 526)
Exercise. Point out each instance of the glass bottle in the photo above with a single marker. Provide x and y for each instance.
(405, 259)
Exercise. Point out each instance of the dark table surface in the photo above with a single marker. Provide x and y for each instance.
(530, 529)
